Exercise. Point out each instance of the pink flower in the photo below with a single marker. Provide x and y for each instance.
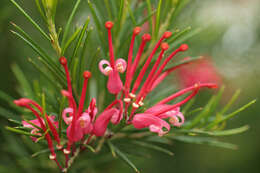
(110, 114)
(154, 123)
(36, 122)
(31, 105)
(112, 68)
(162, 111)
(202, 71)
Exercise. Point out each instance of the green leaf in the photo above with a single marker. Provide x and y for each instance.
(225, 118)
(7, 114)
(68, 25)
(153, 146)
(71, 39)
(96, 21)
(31, 20)
(43, 73)
(146, 18)
(179, 34)
(201, 115)
(48, 61)
(25, 84)
(149, 8)
(20, 131)
(123, 157)
(90, 148)
(217, 132)
(15, 121)
(132, 17)
(112, 149)
(38, 4)
(79, 42)
(204, 140)
(158, 16)
(230, 103)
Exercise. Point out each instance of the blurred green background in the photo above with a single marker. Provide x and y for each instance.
(231, 38)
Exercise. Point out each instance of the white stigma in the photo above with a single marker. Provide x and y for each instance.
(132, 95)
(127, 100)
(65, 151)
(59, 147)
(108, 70)
(52, 157)
(141, 103)
(135, 105)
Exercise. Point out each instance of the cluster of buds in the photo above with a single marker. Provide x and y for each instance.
(130, 97)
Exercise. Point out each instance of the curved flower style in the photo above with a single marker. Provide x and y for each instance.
(30, 104)
(80, 123)
(112, 68)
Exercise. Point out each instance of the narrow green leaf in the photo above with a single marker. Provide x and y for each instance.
(31, 20)
(120, 13)
(149, 8)
(123, 157)
(204, 140)
(158, 16)
(67, 27)
(79, 42)
(90, 148)
(153, 146)
(34, 125)
(47, 150)
(71, 39)
(188, 105)
(108, 9)
(230, 103)
(15, 121)
(112, 149)
(201, 115)
(146, 18)
(132, 17)
(48, 61)
(230, 115)
(217, 132)
(7, 114)
(20, 131)
(23, 81)
(179, 34)
(38, 4)
(96, 21)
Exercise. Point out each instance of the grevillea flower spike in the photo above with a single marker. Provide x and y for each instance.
(39, 121)
(113, 68)
(154, 117)
(79, 122)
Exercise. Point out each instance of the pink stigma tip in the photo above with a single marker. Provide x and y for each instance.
(87, 74)
(184, 47)
(167, 34)
(146, 37)
(109, 24)
(137, 30)
(63, 60)
(164, 46)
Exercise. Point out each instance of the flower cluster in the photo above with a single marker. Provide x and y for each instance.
(129, 98)
(134, 97)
